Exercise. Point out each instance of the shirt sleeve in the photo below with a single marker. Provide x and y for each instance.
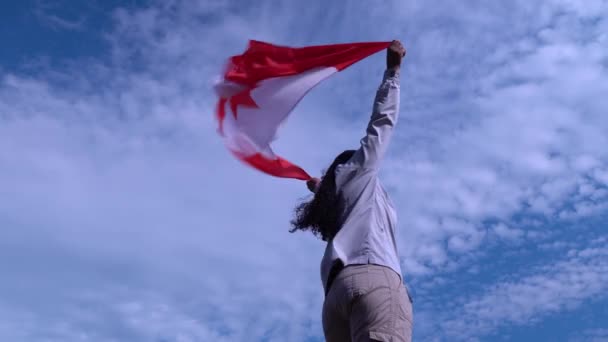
(383, 119)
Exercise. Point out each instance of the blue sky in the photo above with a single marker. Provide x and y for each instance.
(123, 218)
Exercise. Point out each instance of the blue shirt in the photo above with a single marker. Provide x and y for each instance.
(368, 219)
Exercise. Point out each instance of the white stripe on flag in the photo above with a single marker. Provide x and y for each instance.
(255, 128)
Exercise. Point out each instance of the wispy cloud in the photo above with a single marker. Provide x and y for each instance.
(524, 300)
(528, 142)
(45, 12)
(123, 217)
(590, 335)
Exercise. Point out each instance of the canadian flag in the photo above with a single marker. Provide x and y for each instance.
(262, 86)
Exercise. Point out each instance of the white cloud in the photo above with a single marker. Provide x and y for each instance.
(590, 335)
(508, 233)
(530, 139)
(112, 173)
(565, 285)
(44, 12)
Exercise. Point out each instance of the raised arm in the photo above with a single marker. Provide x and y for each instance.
(384, 113)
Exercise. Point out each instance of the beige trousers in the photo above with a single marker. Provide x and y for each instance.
(367, 303)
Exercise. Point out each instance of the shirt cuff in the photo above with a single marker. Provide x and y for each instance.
(392, 73)
(391, 78)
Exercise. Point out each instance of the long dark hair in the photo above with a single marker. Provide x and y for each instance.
(321, 214)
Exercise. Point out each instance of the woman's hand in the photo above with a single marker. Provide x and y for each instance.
(394, 55)
(313, 184)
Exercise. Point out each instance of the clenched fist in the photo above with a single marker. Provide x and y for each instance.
(394, 55)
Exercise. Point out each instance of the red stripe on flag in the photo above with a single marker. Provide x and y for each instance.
(263, 60)
(278, 167)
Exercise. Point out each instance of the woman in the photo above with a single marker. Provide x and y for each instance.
(365, 298)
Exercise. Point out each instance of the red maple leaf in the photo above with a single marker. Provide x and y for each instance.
(242, 99)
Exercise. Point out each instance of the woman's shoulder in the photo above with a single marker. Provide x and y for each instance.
(354, 176)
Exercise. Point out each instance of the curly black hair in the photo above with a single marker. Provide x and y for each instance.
(321, 214)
